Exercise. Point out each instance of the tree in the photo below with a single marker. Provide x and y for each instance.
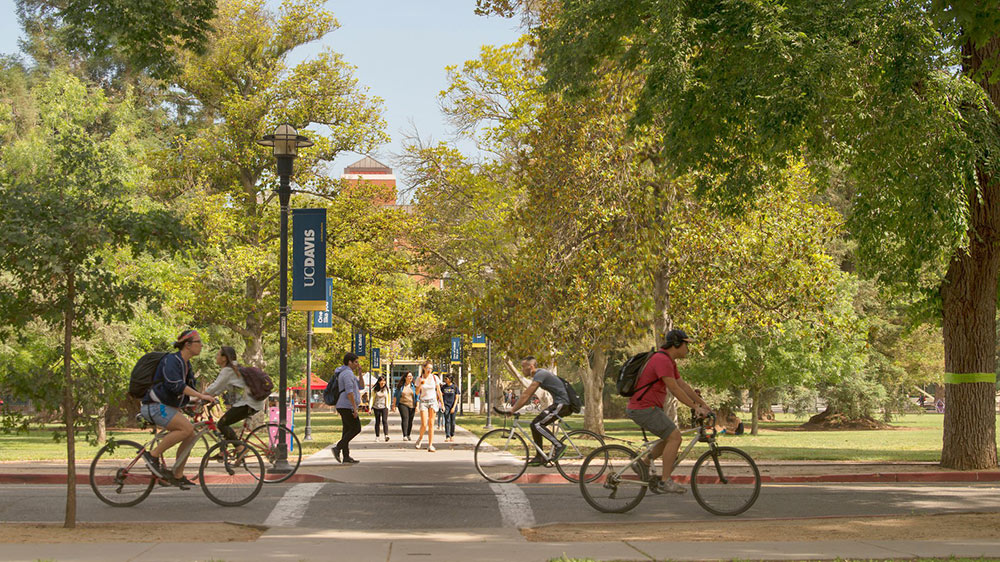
(147, 35)
(70, 216)
(236, 92)
(740, 89)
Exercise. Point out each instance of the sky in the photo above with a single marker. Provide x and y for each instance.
(400, 49)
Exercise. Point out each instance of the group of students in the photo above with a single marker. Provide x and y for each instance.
(430, 395)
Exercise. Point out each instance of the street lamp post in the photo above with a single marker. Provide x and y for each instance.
(286, 142)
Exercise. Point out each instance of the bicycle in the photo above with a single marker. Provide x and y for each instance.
(230, 473)
(724, 480)
(265, 439)
(502, 455)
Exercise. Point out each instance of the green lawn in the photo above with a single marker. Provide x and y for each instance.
(916, 437)
(38, 443)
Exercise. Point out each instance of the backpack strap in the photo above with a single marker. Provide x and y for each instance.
(650, 385)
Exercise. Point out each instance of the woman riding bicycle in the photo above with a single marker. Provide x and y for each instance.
(230, 377)
(173, 387)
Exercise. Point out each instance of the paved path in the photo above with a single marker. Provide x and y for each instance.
(401, 503)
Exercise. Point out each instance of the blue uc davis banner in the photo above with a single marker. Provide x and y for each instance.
(359, 343)
(478, 340)
(308, 259)
(375, 360)
(323, 319)
(456, 351)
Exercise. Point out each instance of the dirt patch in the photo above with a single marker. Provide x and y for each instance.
(44, 533)
(913, 527)
(827, 420)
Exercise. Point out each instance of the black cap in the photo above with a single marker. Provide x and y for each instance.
(675, 338)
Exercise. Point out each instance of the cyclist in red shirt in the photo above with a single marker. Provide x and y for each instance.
(646, 406)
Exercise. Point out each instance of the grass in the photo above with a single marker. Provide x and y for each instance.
(39, 443)
(915, 437)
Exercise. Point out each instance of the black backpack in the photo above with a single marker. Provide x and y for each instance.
(575, 404)
(630, 372)
(332, 391)
(143, 373)
(259, 383)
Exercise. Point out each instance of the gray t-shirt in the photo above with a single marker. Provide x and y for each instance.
(551, 384)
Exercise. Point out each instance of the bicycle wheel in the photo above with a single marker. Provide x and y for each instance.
(231, 478)
(265, 439)
(502, 455)
(725, 481)
(612, 480)
(119, 476)
(579, 443)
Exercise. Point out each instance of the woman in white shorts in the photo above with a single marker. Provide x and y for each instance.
(429, 399)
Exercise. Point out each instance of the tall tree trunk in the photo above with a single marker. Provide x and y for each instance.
(661, 301)
(593, 390)
(69, 408)
(969, 294)
(754, 409)
(102, 424)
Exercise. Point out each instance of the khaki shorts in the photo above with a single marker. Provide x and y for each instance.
(653, 420)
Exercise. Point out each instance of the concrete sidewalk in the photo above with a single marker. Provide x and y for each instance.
(458, 545)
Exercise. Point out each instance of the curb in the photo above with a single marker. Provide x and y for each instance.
(877, 477)
(84, 479)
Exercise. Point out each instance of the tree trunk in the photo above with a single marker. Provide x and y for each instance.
(69, 408)
(661, 304)
(969, 294)
(102, 424)
(593, 390)
(754, 409)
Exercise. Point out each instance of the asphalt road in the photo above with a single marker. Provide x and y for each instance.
(481, 505)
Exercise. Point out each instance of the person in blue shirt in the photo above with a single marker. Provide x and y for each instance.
(173, 387)
(449, 392)
(347, 406)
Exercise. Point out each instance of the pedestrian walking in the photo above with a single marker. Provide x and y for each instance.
(449, 392)
(405, 399)
(347, 406)
(429, 399)
(439, 419)
(379, 405)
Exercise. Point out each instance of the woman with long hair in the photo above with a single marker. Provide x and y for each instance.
(378, 403)
(405, 398)
(230, 377)
(429, 394)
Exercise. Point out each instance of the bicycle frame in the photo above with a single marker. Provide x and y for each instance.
(703, 435)
(558, 427)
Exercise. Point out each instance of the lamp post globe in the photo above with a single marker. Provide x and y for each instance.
(285, 143)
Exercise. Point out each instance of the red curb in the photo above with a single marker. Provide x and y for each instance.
(878, 477)
(84, 479)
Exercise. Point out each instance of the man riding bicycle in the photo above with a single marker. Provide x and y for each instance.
(645, 407)
(559, 407)
(173, 387)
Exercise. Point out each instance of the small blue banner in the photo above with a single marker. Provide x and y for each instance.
(375, 360)
(308, 259)
(456, 351)
(478, 340)
(323, 319)
(359, 343)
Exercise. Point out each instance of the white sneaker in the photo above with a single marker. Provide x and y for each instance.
(417, 446)
(376, 438)
(431, 449)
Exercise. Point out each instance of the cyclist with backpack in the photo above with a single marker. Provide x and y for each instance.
(231, 377)
(560, 406)
(645, 407)
(173, 387)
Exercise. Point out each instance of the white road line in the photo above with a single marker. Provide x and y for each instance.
(515, 509)
(292, 506)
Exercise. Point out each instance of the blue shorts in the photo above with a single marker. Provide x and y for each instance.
(157, 413)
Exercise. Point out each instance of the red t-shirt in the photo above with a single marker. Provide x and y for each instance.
(660, 365)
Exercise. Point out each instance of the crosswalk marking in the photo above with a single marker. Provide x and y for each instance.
(515, 509)
(292, 506)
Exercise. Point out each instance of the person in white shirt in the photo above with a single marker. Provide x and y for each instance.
(429, 400)
(230, 377)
